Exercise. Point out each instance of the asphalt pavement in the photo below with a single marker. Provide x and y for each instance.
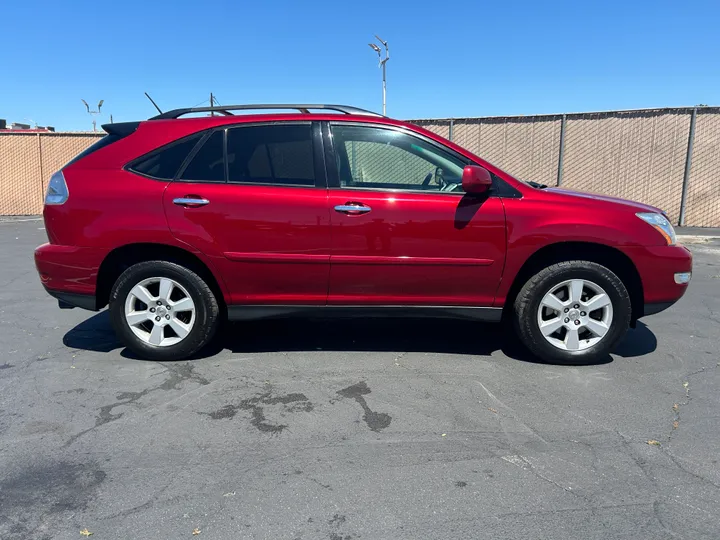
(340, 430)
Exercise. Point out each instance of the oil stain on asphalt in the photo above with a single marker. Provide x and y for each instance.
(30, 497)
(376, 421)
(295, 402)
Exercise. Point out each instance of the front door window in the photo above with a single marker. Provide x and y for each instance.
(376, 158)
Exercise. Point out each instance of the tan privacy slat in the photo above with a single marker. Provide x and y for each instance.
(26, 162)
(440, 127)
(20, 186)
(703, 196)
(527, 148)
(639, 155)
(636, 156)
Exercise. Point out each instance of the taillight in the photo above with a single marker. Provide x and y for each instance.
(57, 191)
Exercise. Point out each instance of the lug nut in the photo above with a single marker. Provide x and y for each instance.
(168, 308)
(152, 310)
(157, 319)
(576, 306)
(167, 317)
(582, 313)
(567, 320)
(577, 322)
(159, 303)
(567, 309)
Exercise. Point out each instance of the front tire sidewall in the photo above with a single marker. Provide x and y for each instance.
(206, 310)
(529, 330)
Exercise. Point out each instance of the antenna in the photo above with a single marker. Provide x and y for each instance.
(93, 113)
(151, 101)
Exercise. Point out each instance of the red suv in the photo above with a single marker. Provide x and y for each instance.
(178, 223)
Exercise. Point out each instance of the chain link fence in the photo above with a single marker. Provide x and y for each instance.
(21, 185)
(639, 155)
(703, 187)
(27, 160)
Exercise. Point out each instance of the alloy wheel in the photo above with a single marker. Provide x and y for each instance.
(160, 311)
(575, 315)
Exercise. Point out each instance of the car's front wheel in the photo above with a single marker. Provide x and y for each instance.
(573, 312)
(163, 311)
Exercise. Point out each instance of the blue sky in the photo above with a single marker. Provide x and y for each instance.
(453, 58)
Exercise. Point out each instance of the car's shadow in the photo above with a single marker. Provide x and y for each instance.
(391, 335)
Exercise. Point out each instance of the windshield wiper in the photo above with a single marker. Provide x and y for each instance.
(535, 184)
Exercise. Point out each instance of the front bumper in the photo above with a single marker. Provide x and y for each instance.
(652, 309)
(658, 267)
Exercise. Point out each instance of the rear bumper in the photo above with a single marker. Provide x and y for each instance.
(658, 266)
(69, 273)
(68, 300)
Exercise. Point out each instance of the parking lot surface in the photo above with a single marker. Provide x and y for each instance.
(339, 430)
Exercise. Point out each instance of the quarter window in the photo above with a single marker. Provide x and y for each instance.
(277, 154)
(208, 164)
(165, 162)
(376, 158)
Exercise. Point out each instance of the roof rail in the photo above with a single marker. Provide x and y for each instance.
(225, 109)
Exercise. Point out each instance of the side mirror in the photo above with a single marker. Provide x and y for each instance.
(476, 180)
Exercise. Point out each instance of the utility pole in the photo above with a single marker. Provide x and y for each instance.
(383, 61)
(212, 99)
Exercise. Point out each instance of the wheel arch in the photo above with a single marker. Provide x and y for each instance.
(123, 257)
(612, 258)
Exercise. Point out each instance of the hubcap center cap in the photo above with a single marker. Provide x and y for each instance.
(161, 311)
(574, 314)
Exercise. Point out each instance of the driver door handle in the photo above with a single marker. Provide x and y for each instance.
(190, 201)
(352, 208)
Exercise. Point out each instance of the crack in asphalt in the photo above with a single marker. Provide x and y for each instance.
(677, 407)
(177, 374)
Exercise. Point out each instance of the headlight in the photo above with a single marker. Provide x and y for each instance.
(661, 225)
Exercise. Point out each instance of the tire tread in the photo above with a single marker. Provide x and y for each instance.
(208, 325)
(525, 315)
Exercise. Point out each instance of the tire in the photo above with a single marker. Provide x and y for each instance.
(560, 282)
(179, 333)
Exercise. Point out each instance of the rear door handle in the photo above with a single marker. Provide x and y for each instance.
(352, 208)
(190, 202)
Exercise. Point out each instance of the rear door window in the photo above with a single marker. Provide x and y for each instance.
(165, 162)
(208, 164)
(278, 155)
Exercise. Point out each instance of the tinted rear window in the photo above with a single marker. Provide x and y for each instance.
(279, 154)
(165, 162)
(208, 164)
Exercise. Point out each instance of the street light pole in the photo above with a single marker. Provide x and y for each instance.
(383, 61)
(94, 113)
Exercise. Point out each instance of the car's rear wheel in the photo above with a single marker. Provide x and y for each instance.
(573, 312)
(163, 311)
